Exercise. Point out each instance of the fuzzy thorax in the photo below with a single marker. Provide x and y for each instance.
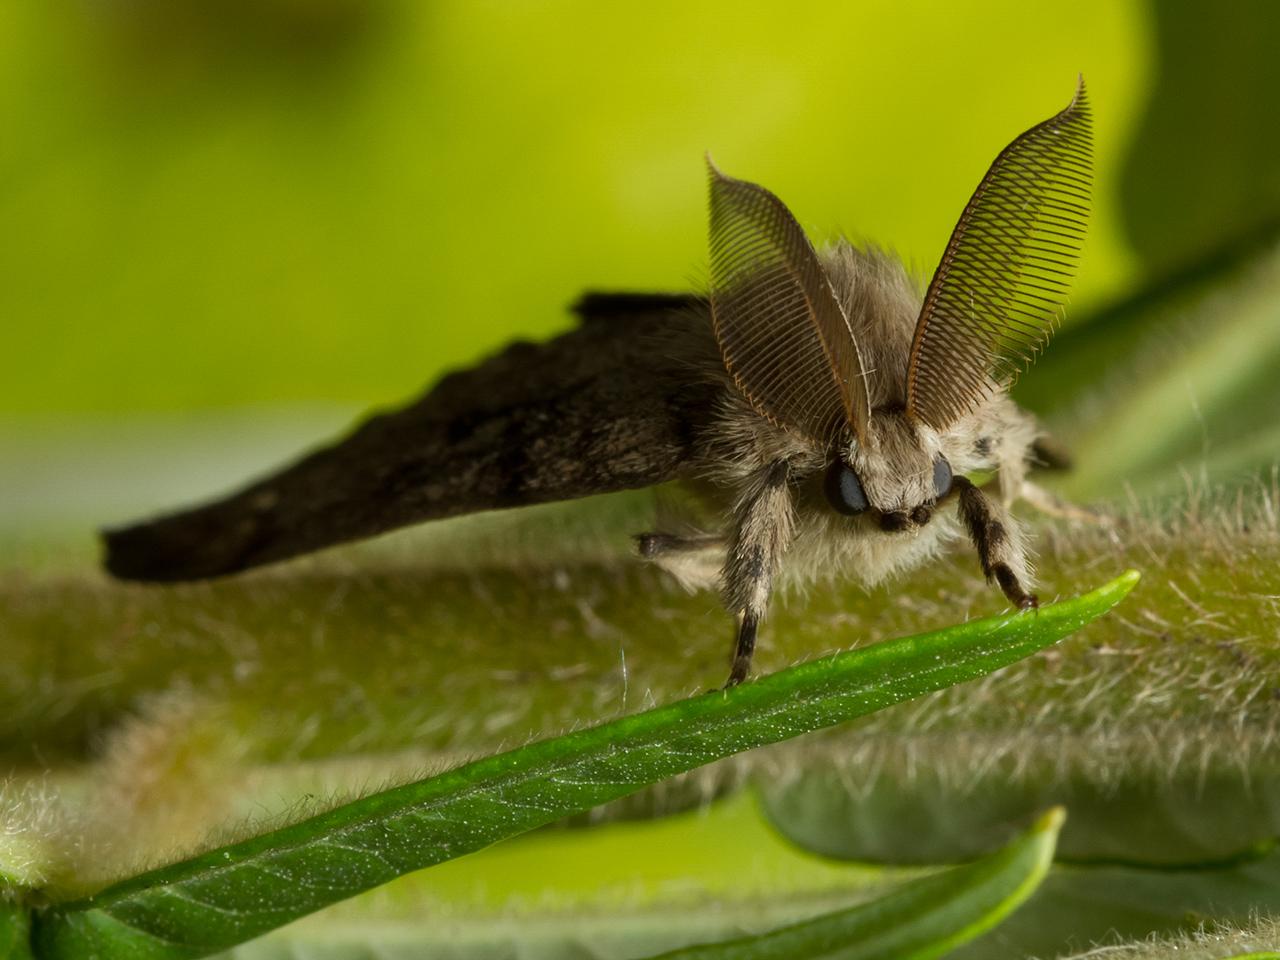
(796, 532)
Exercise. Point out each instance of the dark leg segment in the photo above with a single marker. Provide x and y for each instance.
(745, 648)
(992, 532)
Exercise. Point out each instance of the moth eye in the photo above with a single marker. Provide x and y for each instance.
(844, 490)
(941, 478)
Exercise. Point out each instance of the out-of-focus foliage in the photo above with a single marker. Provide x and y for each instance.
(1203, 175)
(1181, 378)
(211, 204)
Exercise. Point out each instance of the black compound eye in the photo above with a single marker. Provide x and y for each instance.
(941, 478)
(844, 489)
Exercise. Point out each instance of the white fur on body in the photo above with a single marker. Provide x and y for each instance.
(794, 532)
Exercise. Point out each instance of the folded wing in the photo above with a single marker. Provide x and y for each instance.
(604, 407)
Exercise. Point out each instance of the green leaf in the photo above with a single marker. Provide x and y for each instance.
(1169, 822)
(15, 927)
(230, 895)
(922, 919)
(604, 893)
(1079, 906)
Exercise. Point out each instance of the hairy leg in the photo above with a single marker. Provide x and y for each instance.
(762, 531)
(694, 561)
(998, 540)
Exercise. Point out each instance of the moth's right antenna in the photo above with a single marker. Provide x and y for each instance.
(999, 288)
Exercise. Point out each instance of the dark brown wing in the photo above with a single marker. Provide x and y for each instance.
(605, 407)
(596, 305)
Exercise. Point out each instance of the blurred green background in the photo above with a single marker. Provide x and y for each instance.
(231, 226)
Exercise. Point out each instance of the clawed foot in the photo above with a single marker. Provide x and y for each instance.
(1012, 588)
(739, 673)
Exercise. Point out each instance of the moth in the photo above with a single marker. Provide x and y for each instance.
(823, 416)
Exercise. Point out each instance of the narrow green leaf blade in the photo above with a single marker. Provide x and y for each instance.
(227, 896)
(920, 920)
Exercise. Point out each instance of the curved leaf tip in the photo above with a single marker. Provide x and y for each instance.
(1051, 820)
(1106, 596)
(923, 919)
(1123, 583)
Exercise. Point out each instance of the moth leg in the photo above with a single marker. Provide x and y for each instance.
(655, 546)
(763, 526)
(998, 539)
(694, 562)
(1052, 505)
